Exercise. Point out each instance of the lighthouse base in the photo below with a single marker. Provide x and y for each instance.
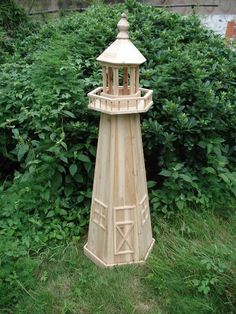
(120, 223)
(100, 263)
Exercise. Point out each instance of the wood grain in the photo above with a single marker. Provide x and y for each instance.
(120, 227)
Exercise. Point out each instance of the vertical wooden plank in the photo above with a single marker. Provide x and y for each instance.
(115, 81)
(135, 165)
(137, 79)
(110, 90)
(145, 235)
(132, 80)
(111, 183)
(104, 78)
(125, 81)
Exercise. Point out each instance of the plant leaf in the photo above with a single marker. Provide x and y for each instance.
(23, 149)
(73, 169)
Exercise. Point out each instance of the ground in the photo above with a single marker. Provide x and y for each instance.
(192, 261)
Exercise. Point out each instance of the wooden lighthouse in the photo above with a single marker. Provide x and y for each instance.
(120, 226)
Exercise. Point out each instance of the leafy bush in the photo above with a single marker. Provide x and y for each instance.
(48, 137)
(11, 15)
(14, 26)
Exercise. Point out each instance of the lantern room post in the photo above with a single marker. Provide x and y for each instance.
(104, 78)
(120, 225)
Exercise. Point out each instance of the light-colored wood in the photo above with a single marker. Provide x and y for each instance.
(104, 78)
(120, 230)
(100, 263)
(110, 89)
(137, 79)
(125, 80)
(132, 80)
(122, 51)
(120, 225)
(115, 81)
(120, 104)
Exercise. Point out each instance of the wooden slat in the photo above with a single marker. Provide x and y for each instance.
(137, 79)
(125, 80)
(132, 80)
(110, 89)
(115, 81)
(104, 78)
(121, 231)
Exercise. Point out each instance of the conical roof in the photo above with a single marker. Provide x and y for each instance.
(122, 50)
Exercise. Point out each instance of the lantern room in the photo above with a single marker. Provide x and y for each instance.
(120, 81)
(121, 92)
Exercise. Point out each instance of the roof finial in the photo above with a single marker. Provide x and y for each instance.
(123, 27)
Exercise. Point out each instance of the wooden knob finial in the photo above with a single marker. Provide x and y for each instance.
(123, 27)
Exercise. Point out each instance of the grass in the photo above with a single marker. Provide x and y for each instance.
(194, 266)
(69, 283)
(191, 270)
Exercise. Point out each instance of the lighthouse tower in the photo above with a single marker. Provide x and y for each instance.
(120, 226)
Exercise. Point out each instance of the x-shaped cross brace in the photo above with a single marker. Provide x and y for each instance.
(125, 235)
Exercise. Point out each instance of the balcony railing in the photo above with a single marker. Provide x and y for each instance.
(120, 105)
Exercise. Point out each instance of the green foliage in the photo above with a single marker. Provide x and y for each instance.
(14, 27)
(193, 267)
(16, 274)
(192, 126)
(11, 15)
